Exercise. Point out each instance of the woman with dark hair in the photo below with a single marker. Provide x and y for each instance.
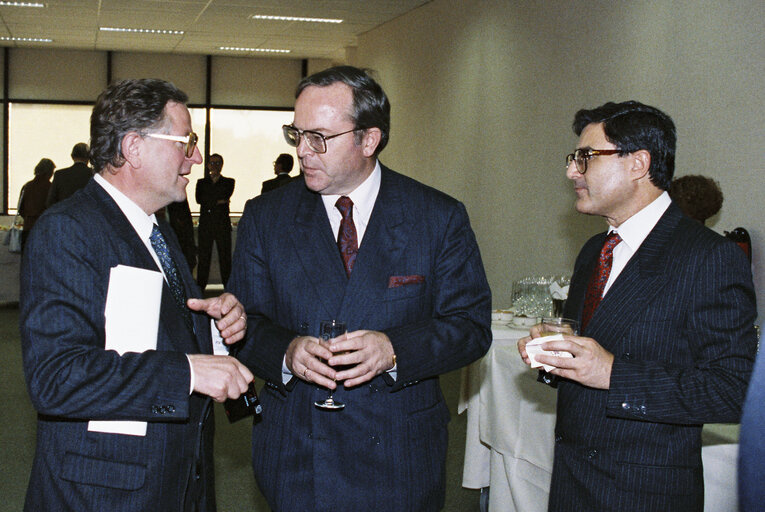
(33, 196)
(698, 196)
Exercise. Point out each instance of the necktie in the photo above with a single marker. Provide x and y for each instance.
(168, 266)
(347, 241)
(599, 277)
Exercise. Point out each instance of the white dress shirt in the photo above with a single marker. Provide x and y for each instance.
(633, 231)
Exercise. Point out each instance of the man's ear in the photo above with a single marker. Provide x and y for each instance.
(132, 145)
(370, 141)
(640, 163)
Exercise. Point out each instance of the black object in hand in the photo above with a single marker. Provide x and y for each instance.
(244, 406)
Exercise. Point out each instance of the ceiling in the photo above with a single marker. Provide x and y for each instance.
(207, 25)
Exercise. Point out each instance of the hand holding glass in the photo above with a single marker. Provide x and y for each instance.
(328, 330)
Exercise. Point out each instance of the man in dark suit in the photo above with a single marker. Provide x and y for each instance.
(71, 179)
(142, 149)
(282, 167)
(751, 462)
(670, 345)
(410, 286)
(213, 194)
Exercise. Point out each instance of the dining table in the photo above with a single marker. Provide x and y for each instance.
(510, 433)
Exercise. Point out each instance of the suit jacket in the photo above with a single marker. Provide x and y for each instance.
(751, 467)
(274, 183)
(71, 378)
(67, 181)
(418, 277)
(679, 321)
(207, 195)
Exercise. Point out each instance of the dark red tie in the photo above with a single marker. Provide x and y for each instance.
(599, 277)
(347, 241)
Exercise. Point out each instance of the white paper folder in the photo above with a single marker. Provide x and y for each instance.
(132, 321)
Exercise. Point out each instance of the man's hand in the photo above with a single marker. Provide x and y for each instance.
(219, 377)
(306, 358)
(370, 351)
(590, 366)
(228, 312)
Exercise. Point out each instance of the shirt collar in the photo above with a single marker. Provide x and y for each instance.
(635, 229)
(363, 197)
(142, 223)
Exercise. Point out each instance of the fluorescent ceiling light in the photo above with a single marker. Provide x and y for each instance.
(294, 18)
(21, 4)
(27, 39)
(142, 30)
(263, 50)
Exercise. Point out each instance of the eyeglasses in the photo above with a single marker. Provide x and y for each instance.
(581, 156)
(315, 140)
(189, 141)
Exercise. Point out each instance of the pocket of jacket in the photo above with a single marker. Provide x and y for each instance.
(82, 469)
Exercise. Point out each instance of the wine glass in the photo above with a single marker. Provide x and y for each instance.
(329, 329)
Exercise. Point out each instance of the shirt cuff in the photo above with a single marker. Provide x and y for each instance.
(191, 372)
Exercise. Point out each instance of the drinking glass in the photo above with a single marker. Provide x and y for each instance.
(328, 330)
(559, 325)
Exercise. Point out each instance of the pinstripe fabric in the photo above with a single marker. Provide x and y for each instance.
(679, 321)
(386, 450)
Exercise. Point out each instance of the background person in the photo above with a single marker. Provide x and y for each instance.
(69, 180)
(282, 167)
(213, 194)
(33, 196)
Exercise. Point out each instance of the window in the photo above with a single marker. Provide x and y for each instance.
(248, 140)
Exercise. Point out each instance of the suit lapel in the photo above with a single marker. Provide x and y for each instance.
(317, 251)
(642, 277)
(383, 244)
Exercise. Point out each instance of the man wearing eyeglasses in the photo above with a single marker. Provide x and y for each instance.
(117, 346)
(397, 262)
(666, 309)
(213, 193)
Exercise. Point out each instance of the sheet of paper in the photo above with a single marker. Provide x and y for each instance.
(533, 349)
(132, 321)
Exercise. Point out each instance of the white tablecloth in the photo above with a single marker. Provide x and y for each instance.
(510, 434)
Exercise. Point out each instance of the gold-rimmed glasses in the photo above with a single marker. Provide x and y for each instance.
(315, 140)
(189, 141)
(581, 156)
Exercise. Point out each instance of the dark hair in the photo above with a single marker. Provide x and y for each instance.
(285, 162)
(45, 168)
(80, 151)
(698, 196)
(216, 156)
(371, 108)
(632, 126)
(128, 106)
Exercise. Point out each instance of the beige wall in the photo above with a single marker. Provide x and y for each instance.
(483, 95)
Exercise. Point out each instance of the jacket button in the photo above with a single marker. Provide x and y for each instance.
(592, 454)
(155, 409)
(625, 406)
(558, 439)
(171, 408)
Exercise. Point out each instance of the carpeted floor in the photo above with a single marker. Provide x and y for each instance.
(235, 485)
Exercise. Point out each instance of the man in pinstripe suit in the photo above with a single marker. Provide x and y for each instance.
(670, 345)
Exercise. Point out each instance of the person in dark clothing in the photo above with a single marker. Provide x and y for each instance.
(213, 195)
(69, 180)
(282, 168)
(33, 196)
(178, 215)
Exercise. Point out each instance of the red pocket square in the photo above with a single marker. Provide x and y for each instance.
(396, 281)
